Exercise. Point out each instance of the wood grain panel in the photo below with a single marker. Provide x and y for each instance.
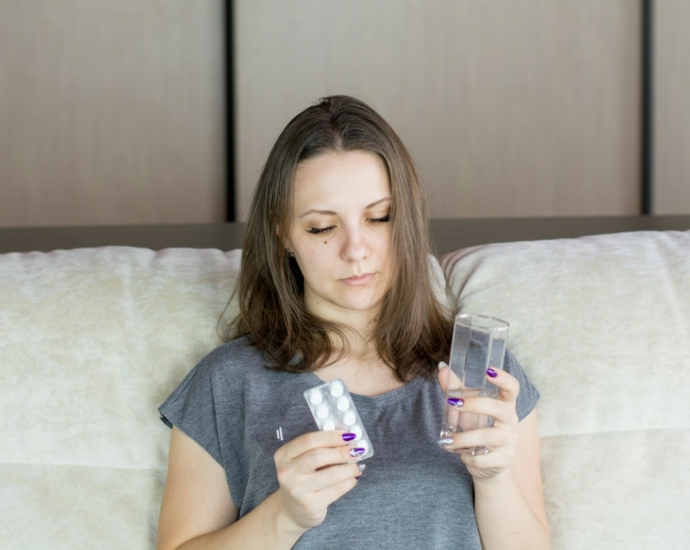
(672, 107)
(111, 112)
(510, 107)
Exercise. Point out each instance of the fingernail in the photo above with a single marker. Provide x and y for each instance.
(357, 451)
(456, 401)
(361, 466)
(445, 441)
(442, 365)
(357, 477)
(491, 372)
(349, 436)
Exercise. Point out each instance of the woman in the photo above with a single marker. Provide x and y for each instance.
(334, 284)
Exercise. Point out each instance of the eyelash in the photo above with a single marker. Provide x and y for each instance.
(317, 230)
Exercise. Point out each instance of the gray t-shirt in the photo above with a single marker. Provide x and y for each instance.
(413, 494)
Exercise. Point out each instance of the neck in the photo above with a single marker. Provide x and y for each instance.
(361, 349)
(361, 324)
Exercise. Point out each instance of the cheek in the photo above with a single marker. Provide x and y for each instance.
(386, 255)
(384, 247)
(314, 256)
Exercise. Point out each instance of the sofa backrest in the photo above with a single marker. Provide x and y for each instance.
(93, 340)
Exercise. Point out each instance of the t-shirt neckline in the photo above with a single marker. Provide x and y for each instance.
(365, 402)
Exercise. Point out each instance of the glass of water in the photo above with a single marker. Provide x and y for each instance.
(479, 342)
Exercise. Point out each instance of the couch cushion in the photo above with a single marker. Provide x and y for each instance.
(602, 323)
(60, 507)
(618, 490)
(93, 340)
(602, 327)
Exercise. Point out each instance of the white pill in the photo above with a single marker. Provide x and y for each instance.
(329, 424)
(349, 418)
(336, 389)
(343, 403)
(322, 412)
(315, 397)
(357, 430)
(363, 445)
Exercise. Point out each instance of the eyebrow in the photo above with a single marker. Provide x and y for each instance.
(331, 213)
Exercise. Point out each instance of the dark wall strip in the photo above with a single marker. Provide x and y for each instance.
(647, 105)
(230, 111)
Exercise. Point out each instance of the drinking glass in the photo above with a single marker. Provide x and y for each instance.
(479, 342)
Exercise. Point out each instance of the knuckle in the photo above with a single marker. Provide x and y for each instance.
(316, 458)
(283, 478)
(278, 456)
(312, 509)
(514, 385)
(312, 439)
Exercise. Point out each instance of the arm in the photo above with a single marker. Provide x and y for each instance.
(509, 499)
(197, 510)
(510, 506)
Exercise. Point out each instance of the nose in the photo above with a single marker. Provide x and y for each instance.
(355, 248)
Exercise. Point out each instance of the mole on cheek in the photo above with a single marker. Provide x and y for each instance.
(325, 242)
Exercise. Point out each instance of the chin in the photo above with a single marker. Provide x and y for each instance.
(360, 305)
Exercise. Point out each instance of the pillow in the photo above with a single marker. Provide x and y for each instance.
(94, 340)
(601, 325)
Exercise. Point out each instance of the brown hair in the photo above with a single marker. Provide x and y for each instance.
(412, 331)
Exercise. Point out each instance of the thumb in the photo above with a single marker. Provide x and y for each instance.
(446, 376)
(443, 372)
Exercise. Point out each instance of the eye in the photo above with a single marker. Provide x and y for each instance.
(386, 218)
(317, 230)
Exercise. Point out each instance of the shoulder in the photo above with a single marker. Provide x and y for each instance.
(227, 369)
(223, 372)
(239, 355)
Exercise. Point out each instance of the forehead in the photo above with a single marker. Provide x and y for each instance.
(340, 180)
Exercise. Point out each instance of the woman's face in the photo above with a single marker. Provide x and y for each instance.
(340, 233)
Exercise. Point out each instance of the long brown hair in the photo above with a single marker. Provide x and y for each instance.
(412, 331)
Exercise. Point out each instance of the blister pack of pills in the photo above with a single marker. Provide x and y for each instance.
(333, 409)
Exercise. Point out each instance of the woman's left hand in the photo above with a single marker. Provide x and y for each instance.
(500, 438)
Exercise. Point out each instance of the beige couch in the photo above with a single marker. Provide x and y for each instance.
(93, 340)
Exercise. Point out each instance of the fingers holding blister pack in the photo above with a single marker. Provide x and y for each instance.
(313, 472)
(333, 409)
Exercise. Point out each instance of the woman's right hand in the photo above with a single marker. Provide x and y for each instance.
(314, 470)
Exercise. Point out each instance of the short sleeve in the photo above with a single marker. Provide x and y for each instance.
(529, 395)
(191, 407)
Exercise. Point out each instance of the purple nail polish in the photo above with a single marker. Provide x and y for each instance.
(456, 401)
(491, 372)
(358, 477)
(349, 436)
(357, 451)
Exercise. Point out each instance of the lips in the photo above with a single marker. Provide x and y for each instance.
(357, 280)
